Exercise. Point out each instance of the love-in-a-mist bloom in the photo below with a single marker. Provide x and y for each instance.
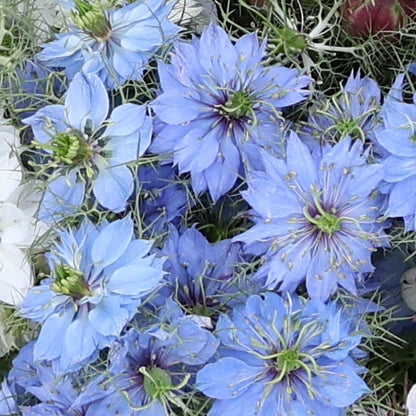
(18, 228)
(397, 139)
(114, 44)
(352, 112)
(219, 105)
(33, 388)
(98, 277)
(89, 147)
(284, 357)
(201, 277)
(148, 369)
(316, 218)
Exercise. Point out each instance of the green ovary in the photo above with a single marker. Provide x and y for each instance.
(157, 382)
(349, 128)
(324, 221)
(238, 105)
(288, 361)
(70, 148)
(92, 19)
(70, 282)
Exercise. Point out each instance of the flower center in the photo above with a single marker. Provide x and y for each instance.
(328, 223)
(349, 128)
(157, 382)
(70, 148)
(70, 282)
(91, 19)
(238, 105)
(288, 361)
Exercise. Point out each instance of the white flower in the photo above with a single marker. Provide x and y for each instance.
(18, 228)
(194, 13)
(45, 14)
(411, 401)
(10, 172)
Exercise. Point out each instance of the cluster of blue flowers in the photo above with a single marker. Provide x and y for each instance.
(200, 238)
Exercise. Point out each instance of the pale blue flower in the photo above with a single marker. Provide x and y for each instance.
(284, 357)
(351, 112)
(201, 277)
(397, 139)
(220, 104)
(39, 391)
(148, 369)
(114, 44)
(99, 276)
(90, 147)
(317, 218)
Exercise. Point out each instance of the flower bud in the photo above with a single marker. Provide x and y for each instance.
(364, 18)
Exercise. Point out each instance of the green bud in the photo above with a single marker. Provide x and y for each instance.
(288, 41)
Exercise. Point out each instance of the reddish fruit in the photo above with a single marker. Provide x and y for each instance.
(364, 18)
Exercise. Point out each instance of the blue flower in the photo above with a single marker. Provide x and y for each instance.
(87, 147)
(397, 139)
(38, 391)
(114, 44)
(148, 369)
(284, 357)
(387, 276)
(219, 105)
(98, 277)
(315, 217)
(352, 112)
(201, 277)
(163, 198)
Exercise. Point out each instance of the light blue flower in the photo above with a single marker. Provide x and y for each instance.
(284, 357)
(220, 104)
(148, 369)
(352, 112)
(163, 198)
(98, 277)
(397, 139)
(114, 44)
(201, 277)
(38, 391)
(316, 218)
(90, 147)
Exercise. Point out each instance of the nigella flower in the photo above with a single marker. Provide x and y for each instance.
(98, 278)
(201, 277)
(315, 217)
(18, 227)
(87, 147)
(148, 370)
(114, 44)
(33, 389)
(397, 138)
(350, 113)
(163, 198)
(220, 104)
(284, 357)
